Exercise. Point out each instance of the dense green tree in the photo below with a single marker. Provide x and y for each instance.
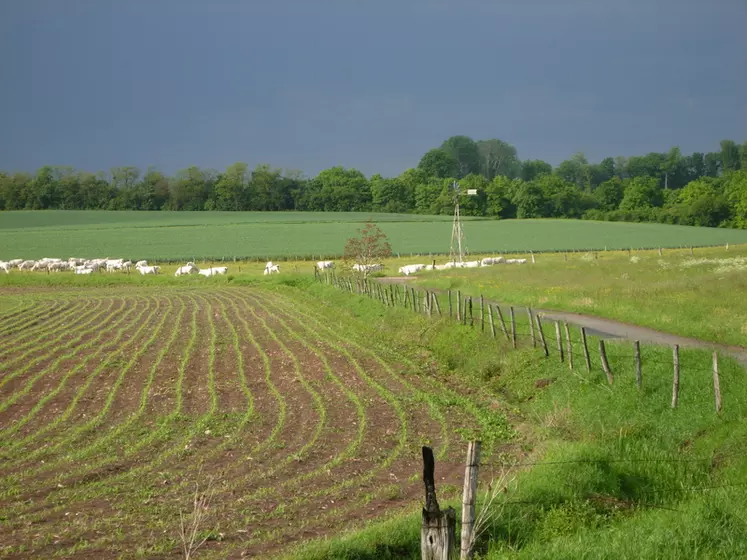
(641, 193)
(498, 158)
(532, 168)
(466, 153)
(609, 194)
(340, 190)
(390, 195)
(729, 156)
(575, 170)
(231, 189)
(439, 163)
(500, 194)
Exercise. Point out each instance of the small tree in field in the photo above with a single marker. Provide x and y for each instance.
(369, 247)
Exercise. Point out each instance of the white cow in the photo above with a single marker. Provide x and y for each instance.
(5, 266)
(471, 264)
(214, 271)
(15, 262)
(271, 268)
(189, 268)
(368, 267)
(40, 265)
(26, 265)
(487, 261)
(321, 265)
(411, 269)
(138, 264)
(143, 270)
(516, 261)
(83, 270)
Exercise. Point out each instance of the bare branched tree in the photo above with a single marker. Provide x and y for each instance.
(191, 523)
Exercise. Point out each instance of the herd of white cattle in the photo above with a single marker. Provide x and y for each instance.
(89, 266)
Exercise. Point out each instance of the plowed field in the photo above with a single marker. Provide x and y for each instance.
(115, 404)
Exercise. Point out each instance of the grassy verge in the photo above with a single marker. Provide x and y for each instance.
(604, 471)
(700, 296)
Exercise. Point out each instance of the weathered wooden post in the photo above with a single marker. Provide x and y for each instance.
(605, 363)
(490, 317)
(638, 368)
(559, 340)
(716, 384)
(541, 334)
(469, 496)
(428, 303)
(482, 313)
(459, 305)
(471, 315)
(513, 326)
(531, 326)
(587, 358)
(435, 302)
(450, 311)
(503, 323)
(438, 531)
(569, 344)
(676, 377)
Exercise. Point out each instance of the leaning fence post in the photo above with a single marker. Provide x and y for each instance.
(586, 349)
(490, 318)
(429, 302)
(569, 344)
(503, 323)
(435, 301)
(676, 378)
(513, 326)
(438, 530)
(605, 363)
(541, 334)
(716, 385)
(559, 340)
(482, 313)
(469, 496)
(638, 368)
(531, 326)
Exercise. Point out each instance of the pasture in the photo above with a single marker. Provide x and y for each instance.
(115, 404)
(175, 236)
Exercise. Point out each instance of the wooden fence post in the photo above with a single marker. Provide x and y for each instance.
(438, 530)
(450, 311)
(531, 327)
(482, 313)
(638, 368)
(459, 305)
(490, 318)
(569, 344)
(513, 327)
(716, 385)
(469, 496)
(541, 334)
(435, 302)
(503, 323)
(676, 377)
(407, 297)
(471, 314)
(586, 349)
(559, 340)
(429, 302)
(605, 363)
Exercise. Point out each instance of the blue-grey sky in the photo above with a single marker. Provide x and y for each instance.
(372, 84)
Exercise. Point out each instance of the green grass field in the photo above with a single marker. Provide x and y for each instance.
(173, 236)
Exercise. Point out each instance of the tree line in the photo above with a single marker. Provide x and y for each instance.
(704, 189)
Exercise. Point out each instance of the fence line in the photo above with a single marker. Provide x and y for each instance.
(427, 302)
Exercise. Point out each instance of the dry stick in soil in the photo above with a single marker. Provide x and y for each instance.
(541, 335)
(676, 377)
(716, 384)
(638, 366)
(190, 525)
(587, 358)
(569, 344)
(605, 363)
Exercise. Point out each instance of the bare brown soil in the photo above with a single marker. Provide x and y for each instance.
(330, 433)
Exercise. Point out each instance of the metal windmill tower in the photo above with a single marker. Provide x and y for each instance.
(458, 245)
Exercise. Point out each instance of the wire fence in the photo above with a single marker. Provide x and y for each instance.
(526, 328)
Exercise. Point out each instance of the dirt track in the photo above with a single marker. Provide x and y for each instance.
(610, 329)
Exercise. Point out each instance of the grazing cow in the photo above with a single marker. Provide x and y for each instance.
(5, 266)
(188, 268)
(83, 270)
(411, 269)
(487, 261)
(516, 261)
(321, 265)
(40, 265)
(143, 270)
(271, 269)
(138, 264)
(15, 262)
(368, 267)
(471, 264)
